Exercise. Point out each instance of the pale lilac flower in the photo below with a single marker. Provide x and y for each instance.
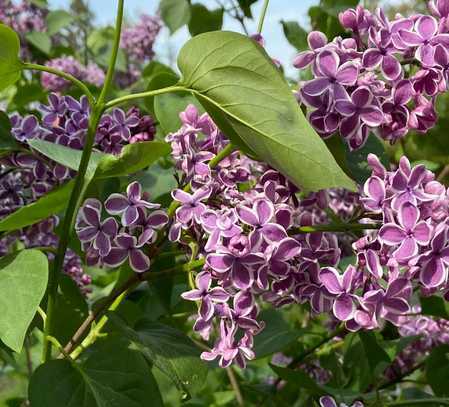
(408, 235)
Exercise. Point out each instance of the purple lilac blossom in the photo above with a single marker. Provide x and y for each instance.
(92, 74)
(362, 84)
(112, 241)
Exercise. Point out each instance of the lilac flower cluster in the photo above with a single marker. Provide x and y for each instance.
(26, 176)
(138, 40)
(384, 79)
(22, 17)
(110, 242)
(246, 235)
(430, 333)
(15, 186)
(91, 73)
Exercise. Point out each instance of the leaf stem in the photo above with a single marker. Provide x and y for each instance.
(134, 96)
(262, 16)
(78, 192)
(66, 76)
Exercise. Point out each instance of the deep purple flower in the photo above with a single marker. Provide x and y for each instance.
(27, 129)
(206, 295)
(90, 228)
(382, 54)
(127, 206)
(331, 75)
(127, 247)
(260, 217)
(359, 109)
(425, 39)
(434, 263)
(341, 287)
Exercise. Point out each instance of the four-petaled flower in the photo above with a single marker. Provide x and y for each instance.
(127, 206)
(408, 235)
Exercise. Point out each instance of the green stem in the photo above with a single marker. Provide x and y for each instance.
(142, 95)
(127, 286)
(113, 58)
(262, 16)
(78, 192)
(420, 402)
(96, 331)
(336, 227)
(66, 76)
(69, 218)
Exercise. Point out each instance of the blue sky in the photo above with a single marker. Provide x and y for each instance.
(167, 47)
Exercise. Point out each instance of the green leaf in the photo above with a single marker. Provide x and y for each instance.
(133, 158)
(156, 67)
(112, 376)
(300, 379)
(50, 204)
(203, 20)
(437, 370)
(23, 280)
(159, 80)
(295, 34)
(66, 156)
(276, 335)
(167, 108)
(40, 40)
(10, 65)
(377, 358)
(174, 13)
(435, 306)
(357, 160)
(169, 350)
(236, 81)
(58, 19)
(7, 141)
(72, 309)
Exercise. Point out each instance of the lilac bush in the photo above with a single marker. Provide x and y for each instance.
(204, 228)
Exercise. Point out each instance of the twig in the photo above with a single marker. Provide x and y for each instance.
(235, 386)
(444, 172)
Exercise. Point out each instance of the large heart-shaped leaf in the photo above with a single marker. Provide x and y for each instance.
(10, 65)
(23, 280)
(112, 376)
(236, 81)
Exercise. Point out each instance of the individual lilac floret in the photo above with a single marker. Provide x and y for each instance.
(90, 228)
(127, 206)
